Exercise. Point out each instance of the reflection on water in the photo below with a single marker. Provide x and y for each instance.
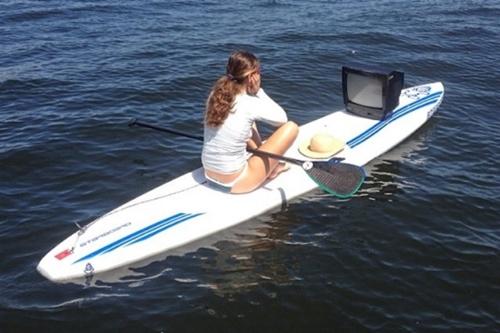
(232, 262)
(230, 251)
(388, 175)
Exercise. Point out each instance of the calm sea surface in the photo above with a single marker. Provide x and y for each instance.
(417, 250)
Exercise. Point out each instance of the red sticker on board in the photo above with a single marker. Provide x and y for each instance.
(63, 254)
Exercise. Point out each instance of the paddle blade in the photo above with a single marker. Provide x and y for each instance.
(339, 179)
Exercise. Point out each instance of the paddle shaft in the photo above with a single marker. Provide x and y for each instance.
(339, 179)
(135, 122)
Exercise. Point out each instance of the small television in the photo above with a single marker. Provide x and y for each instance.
(371, 94)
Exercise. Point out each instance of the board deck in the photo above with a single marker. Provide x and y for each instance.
(186, 209)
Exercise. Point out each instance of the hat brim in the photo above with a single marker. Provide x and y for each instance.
(337, 147)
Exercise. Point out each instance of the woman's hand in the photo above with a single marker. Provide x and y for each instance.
(253, 83)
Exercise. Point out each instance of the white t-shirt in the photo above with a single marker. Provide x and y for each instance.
(224, 147)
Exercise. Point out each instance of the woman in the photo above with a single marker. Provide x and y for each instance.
(234, 104)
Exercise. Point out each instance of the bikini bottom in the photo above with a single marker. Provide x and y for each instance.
(225, 187)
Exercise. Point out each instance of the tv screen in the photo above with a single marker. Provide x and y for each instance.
(371, 94)
(365, 90)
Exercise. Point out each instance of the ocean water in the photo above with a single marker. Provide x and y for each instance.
(416, 250)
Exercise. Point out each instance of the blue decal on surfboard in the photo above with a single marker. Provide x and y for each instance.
(398, 113)
(140, 235)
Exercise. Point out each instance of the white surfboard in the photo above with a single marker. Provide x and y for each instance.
(186, 209)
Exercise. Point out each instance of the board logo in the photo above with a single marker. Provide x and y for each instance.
(417, 92)
(105, 234)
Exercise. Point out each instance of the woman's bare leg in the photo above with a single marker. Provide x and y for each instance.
(259, 168)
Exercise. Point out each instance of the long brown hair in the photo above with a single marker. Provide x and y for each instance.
(221, 99)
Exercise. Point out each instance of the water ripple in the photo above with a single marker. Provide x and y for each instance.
(415, 250)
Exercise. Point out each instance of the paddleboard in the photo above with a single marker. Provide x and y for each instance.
(186, 209)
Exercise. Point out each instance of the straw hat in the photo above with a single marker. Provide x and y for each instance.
(321, 145)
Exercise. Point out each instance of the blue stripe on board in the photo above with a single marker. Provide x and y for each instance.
(377, 127)
(152, 233)
(140, 235)
(167, 222)
(398, 113)
(432, 98)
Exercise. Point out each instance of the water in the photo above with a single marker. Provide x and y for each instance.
(417, 250)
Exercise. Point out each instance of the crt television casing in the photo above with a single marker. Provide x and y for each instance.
(371, 94)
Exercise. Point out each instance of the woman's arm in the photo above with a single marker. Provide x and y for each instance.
(255, 141)
(268, 110)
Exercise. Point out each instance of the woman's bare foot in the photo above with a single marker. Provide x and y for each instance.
(281, 167)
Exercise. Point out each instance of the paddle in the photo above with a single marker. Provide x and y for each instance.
(339, 179)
